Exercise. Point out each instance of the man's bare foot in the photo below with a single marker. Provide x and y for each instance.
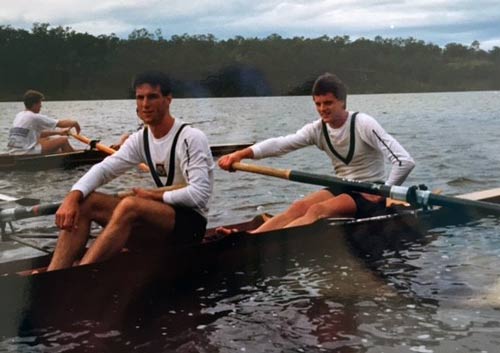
(228, 231)
(225, 231)
(32, 272)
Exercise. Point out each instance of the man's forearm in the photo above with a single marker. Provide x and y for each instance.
(69, 123)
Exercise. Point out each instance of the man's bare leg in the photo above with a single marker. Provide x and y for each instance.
(70, 244)
(50, 145)
(157, 217)
(338, 206)
(297, 210)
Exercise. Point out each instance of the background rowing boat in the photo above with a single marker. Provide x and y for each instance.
(12, 163)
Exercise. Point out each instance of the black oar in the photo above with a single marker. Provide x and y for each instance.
(412, 195)
(21, 212)
(222, 149)
(16, 213)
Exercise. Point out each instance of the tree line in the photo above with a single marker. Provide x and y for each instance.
(65, 64)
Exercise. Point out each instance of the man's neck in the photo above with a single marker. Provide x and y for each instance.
(163, 128)
(340, 120)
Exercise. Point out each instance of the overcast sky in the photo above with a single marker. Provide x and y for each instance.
(436, 21)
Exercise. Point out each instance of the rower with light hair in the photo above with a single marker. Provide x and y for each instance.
(357, 146)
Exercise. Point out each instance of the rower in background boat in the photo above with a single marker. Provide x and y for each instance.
(176, 154)
(121, 141)
(356, 144)
(33, 133)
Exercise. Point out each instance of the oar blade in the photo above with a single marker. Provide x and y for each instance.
(465, 205)
(219, 150)
(10, 201)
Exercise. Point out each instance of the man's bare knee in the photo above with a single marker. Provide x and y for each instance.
(339, 206)
(127, 209)
(297, 208)
(98, 207)
(318, 211)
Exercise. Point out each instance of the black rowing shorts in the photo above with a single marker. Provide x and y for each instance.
(364, 207)
(190, 226)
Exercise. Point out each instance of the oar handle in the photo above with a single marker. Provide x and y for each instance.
(123, 194)
(258, 169)
(103, 148)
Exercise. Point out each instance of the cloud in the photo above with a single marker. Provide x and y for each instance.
(437, 21)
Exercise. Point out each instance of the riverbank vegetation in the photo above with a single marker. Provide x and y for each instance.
(65, 64)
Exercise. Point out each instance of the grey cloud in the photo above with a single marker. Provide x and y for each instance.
(436, 21)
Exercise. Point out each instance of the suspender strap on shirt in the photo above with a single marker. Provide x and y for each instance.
(352, 142)
(171, 167)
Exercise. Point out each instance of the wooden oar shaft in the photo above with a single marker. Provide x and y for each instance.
(258, 169)
(99, 146)
(310, 178)
(415, 196)
(103, 148)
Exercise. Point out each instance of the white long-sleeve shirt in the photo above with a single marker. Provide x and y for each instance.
(372, 146)
(193, 166)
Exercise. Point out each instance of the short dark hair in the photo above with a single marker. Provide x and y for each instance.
(154, 78)
(329, 83)
(31, 97)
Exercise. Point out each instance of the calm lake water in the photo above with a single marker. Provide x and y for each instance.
(441, 296)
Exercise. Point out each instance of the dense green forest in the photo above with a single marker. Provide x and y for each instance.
(65, 64)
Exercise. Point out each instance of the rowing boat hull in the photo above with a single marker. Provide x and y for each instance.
(35, 162)
(110, 291)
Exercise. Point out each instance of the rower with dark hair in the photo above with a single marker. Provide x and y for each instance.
(355, 143)
(32, 132)
(176, 154)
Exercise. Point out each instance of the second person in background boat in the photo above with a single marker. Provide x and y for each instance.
(176, 153)
(355, 143)
(33, 133)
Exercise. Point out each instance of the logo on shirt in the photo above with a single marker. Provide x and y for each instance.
(160, 169)
(18, 138)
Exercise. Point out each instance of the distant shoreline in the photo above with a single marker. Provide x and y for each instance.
(66, 65)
